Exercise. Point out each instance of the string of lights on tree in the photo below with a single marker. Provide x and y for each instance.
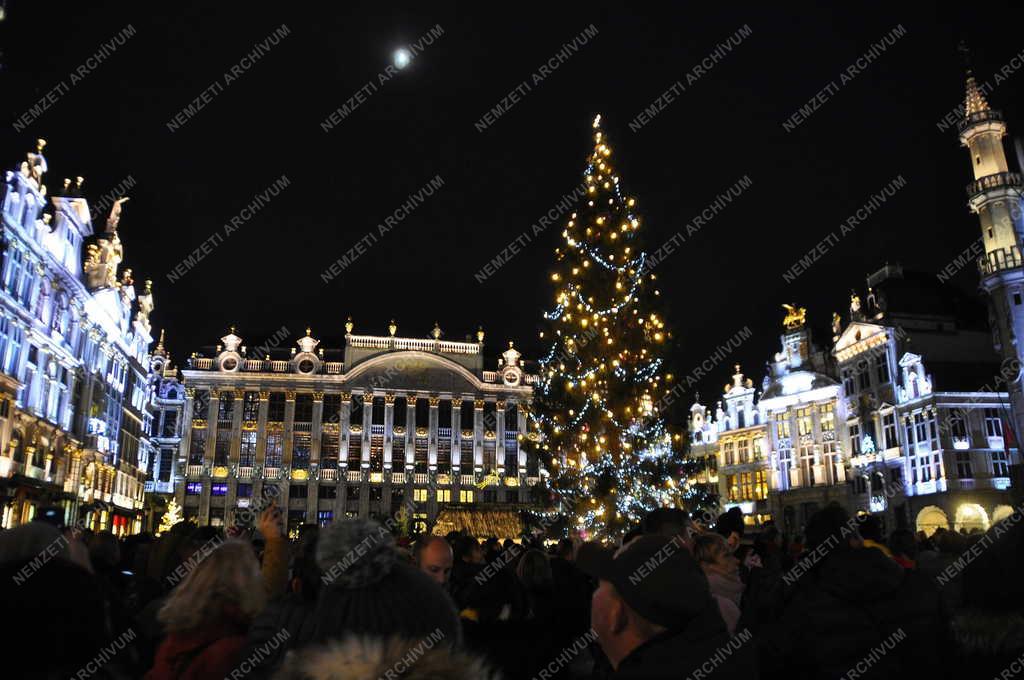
(598, 403)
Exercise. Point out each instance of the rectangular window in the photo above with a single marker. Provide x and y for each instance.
(848, 381)
(201, 405)
(275, 407)
(827, 415)
(957, 425)
(889, 430)
(166, 464)
(746, 486)
(194, 488)
(782, 426)
(244, 491)
(298, 491)
(170, 426)
(759, 448)
(855, 439)
(419, 495)
(247, 453)
(300, 451)
(807, 461)
(332, 408)
(743, 450)
(732, 487)
(993, 423)
(329, 448)
(219, 489)
(275, 449)
(327, 492)
(1000, 464)
(197, 447)
(223, 447)
(882, 370)
(226, 407)
(804, 422)
(964, 469)
(729, 453)
(303, 408)
(251, 406)
(864, 379)
(444, 496)
(920, 429)
(324, 517)
(761, 485)
(465, 495)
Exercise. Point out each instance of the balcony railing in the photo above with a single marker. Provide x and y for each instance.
(999, 259)
(1000, 180)
(420, 478)
(328, 474)
(245, 473)
(194, 471)
(979, 117)
(467, 480)
(354, 476)
(423, 345)
(271, 473)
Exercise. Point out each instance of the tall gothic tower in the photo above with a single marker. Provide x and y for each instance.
(995, 195)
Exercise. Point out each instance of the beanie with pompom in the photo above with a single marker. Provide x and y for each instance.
(367, 590)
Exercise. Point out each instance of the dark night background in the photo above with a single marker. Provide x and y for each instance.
(500, 181)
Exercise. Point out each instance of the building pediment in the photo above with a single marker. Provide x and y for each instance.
(859, 337)
(428, 372)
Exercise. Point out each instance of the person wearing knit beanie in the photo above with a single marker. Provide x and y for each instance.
(368, 590)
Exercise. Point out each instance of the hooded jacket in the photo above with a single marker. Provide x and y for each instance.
(857, 610)
(366, 658)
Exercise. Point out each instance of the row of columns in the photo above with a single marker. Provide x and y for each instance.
(348, 440)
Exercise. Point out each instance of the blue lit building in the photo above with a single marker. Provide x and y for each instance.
(74, 372)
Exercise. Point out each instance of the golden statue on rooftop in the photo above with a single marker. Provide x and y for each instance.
(795, 317)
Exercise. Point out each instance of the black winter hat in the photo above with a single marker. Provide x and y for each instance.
(367, 589)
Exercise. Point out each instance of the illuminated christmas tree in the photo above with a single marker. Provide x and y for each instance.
(170, 518)
(600, 404)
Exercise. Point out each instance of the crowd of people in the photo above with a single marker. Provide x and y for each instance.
(674, 599)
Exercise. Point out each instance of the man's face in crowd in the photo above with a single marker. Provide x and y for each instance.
(436, 561)
(606, 612)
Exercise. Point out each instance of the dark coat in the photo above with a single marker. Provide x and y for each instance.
(54, 619)
(857, 609)
(703, 647)
(286, 623)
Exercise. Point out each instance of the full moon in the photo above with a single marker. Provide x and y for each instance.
(402, 58)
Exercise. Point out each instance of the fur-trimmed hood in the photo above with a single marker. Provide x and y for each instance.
(367, 658)
(987, 633)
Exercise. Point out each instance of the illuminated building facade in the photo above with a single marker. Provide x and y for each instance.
(74, 337)
(390, 419)
(167, 403)
(864, 425)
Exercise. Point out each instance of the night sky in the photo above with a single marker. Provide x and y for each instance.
(498, 182)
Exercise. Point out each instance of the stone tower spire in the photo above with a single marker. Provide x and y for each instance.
(995, 196)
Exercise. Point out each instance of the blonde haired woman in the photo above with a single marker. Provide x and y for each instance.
(206, 616)
(723, 573)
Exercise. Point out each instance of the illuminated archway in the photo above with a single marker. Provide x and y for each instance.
(931, 518)
(1001, 512)
(970, 516)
